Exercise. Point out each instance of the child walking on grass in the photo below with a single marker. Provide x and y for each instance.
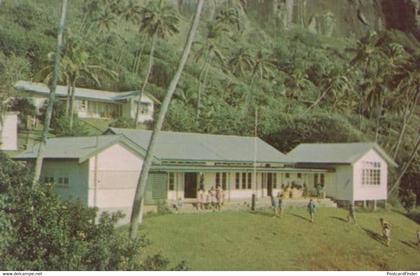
(311, 209)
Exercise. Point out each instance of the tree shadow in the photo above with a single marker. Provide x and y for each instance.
(302, 217)
(338, 218)
(414, 216)
(261, 213)
(374, 235)
(409, 244)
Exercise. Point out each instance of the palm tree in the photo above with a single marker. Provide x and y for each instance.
(241, 62)
(137, 211)
(209, 51)
(157, 21)
(75, 64)
(263, 66)
(333, 83)
(53, 86)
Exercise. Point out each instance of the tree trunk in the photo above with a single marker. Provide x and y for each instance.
(407, 116)
(142, 182)
(68, 98)
(407, 164)
(318, 100)
(51, 99)
(72, 99)
(146, 80)
(378, 120)
(201, 87)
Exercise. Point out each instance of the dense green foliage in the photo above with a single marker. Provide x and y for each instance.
(41, 232)
(305, 86)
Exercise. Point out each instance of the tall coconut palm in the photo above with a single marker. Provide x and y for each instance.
(157, 20)
(137, 211)
(53, 86)
(75, 65)
(333, 83)
(209, 51)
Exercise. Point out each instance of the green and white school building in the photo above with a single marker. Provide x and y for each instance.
(102, 171)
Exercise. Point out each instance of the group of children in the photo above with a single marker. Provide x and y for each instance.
(211, 199)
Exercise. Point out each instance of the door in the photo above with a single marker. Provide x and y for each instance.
(190, 185)
(269, 184)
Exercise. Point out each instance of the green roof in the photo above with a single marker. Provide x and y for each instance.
(82, 93)
(183, 146)
(81, 148)
(335, 153)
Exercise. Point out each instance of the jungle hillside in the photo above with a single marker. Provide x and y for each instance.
(311, 71)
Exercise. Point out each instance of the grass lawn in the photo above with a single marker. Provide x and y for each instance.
(256, 241)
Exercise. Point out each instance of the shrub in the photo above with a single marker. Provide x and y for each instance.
(42, 232)
(408, 200)
(122, 123)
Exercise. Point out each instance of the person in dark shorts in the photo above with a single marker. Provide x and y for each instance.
(311, 209)
(352, 213)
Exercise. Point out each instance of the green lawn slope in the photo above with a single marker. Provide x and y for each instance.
(257, 241)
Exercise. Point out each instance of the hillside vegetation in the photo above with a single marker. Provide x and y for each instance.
(310, 77)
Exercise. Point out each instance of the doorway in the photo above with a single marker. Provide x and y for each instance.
(269, 184)
(190, 185)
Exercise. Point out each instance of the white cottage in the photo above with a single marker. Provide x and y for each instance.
(91, 103)
(9, 131)
(359, 171)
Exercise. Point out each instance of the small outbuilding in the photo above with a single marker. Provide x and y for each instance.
(9, 132)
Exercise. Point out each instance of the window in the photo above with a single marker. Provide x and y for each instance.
(243, 180)
(83, 105)
(322, 176)
(371, 173)
(237, 180)
(144, 108)
(224, 177)
(63, 180)
(221, 180)
(274, 177)
(171, 181)
(49, 179)
(299, 175)
(287, 175)
(249, 180)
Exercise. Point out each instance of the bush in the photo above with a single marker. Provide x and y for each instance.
(122, 123)
(42, 232)
(408, 200)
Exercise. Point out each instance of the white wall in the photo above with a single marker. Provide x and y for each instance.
(8, 132)
(370, 192)
(76, 173)
(115, 180)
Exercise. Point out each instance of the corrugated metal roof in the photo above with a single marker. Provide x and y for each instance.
(335, 153)
(81, 93)
(204, 147)
(80, 148)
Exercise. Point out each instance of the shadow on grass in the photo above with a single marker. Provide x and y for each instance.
(340, 219)
(302, 217)
(261, 213)
(414, 216)
(409, 244)
(374, 235)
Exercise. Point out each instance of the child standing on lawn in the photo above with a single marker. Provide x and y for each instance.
(311, 209)
(387, 234)
(274, 204)
(280, 205)
(351, 216)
